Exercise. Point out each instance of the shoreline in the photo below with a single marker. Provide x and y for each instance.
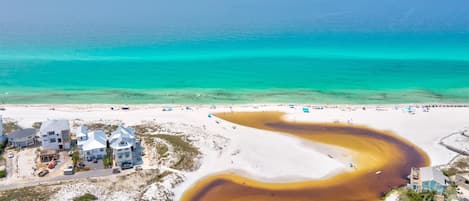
(204, 105)
(226, 96)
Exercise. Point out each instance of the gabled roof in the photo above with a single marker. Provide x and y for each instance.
(432, 173)
(96, 140)
(122, 137)
(53, 125)
(82, 131)
(123, 133)
(22, 133)
(120, 143)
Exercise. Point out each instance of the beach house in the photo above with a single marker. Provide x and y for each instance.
(95, 146)
(2, 135)
(427, 179)
(22, 138)
(55, 135)
(91, 144)
(122, 142)
(81, 134)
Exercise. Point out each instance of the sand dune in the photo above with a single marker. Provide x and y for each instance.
(267, 155)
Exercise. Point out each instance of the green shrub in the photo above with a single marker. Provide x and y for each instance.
(450, 171)
(420, 196)
(85, 197)
(37, 125)
(75, 156)
(107, 159)
(2, 147)
(3, 173)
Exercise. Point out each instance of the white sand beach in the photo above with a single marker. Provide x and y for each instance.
(261, 154)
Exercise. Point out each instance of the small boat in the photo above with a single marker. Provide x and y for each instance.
(305, 110)
(378, 172)
(330, 156)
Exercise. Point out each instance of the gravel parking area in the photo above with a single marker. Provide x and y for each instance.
(94, 166)
(26, 162)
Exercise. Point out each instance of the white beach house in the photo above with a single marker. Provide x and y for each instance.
(94, 146)
(91, 144)
(122, 142)
(55, 135)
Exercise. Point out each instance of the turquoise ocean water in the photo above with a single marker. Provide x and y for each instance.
(288, 67)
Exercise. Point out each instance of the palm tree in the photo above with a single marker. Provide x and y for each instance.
(428, 195)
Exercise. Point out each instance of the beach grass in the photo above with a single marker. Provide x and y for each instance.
(27, 193)
(10, 126)
(185, 151)
(162, 150)
(108, 128)
(158, 177)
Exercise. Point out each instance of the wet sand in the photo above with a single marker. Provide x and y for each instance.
(372, 151)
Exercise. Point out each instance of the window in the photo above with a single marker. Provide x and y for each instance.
(127, 155)
(51, 133)
(52, 140)
(44, 135)
(65, 135)
(101, 149)
(59, 140)
(120, 156)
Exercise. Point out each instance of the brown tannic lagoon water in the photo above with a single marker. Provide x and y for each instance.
(372, 150)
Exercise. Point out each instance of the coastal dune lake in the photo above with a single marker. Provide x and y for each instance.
(372, 151)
